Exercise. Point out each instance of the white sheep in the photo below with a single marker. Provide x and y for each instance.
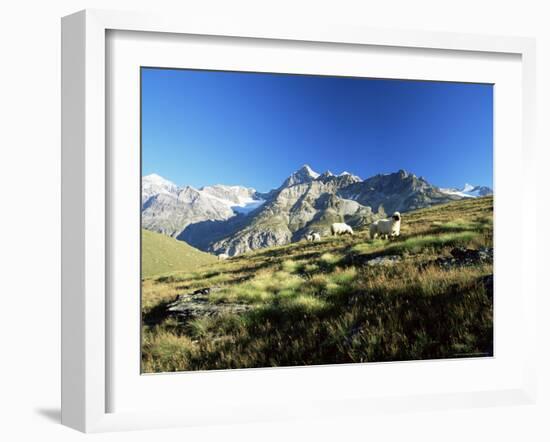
(223, 256)
(386, 227)
(313, 236)
(341, 229)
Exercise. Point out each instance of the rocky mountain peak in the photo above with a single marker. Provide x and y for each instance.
(346, 173)
(188, 194)
(305, 169)
(156, 179)
(154, 185)
(304, 174)
(349, 178)
(236, 219)
(403, 173)
(325, 176)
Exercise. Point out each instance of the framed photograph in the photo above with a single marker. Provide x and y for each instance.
(263, 222)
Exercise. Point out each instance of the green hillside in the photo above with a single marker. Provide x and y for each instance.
(424, 295)
(162, 254)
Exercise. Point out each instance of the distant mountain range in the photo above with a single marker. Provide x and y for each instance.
(169, 209)
(236, 219)
(469, 191)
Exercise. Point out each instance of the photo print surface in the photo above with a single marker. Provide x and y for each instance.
(297, 220)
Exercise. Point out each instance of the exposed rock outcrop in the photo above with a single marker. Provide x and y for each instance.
(196, 304)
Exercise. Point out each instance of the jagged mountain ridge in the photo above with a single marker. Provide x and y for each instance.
(169, 209)
(305, 201)
(401, 191)
(469, 191)
(311, 203)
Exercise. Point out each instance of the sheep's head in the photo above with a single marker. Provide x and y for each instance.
(396, 216)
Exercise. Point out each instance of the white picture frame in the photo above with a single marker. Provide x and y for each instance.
(85, 208)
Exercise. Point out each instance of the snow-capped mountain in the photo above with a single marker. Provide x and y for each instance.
(304, 174)
(168, 209)
(468, 191)
(236, 219)
(344, 173)
(308, 200)
(155, 184)
(239, 199)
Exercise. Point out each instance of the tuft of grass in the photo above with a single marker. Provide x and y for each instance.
(330, 258)
(199, 327)
(291, 266)
(165, 351)
(310, 268)
(461, 225)
(261, 289)
(369, 246)
(303, 303)
(418, 243)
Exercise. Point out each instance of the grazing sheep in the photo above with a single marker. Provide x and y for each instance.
(373, 230)
(313, 236)
(341, 229)
(386, 227)
(223, 256)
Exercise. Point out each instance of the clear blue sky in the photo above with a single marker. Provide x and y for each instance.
(201, 128)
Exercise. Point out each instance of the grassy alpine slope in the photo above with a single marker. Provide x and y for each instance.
(340, 300)
(162, 254)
